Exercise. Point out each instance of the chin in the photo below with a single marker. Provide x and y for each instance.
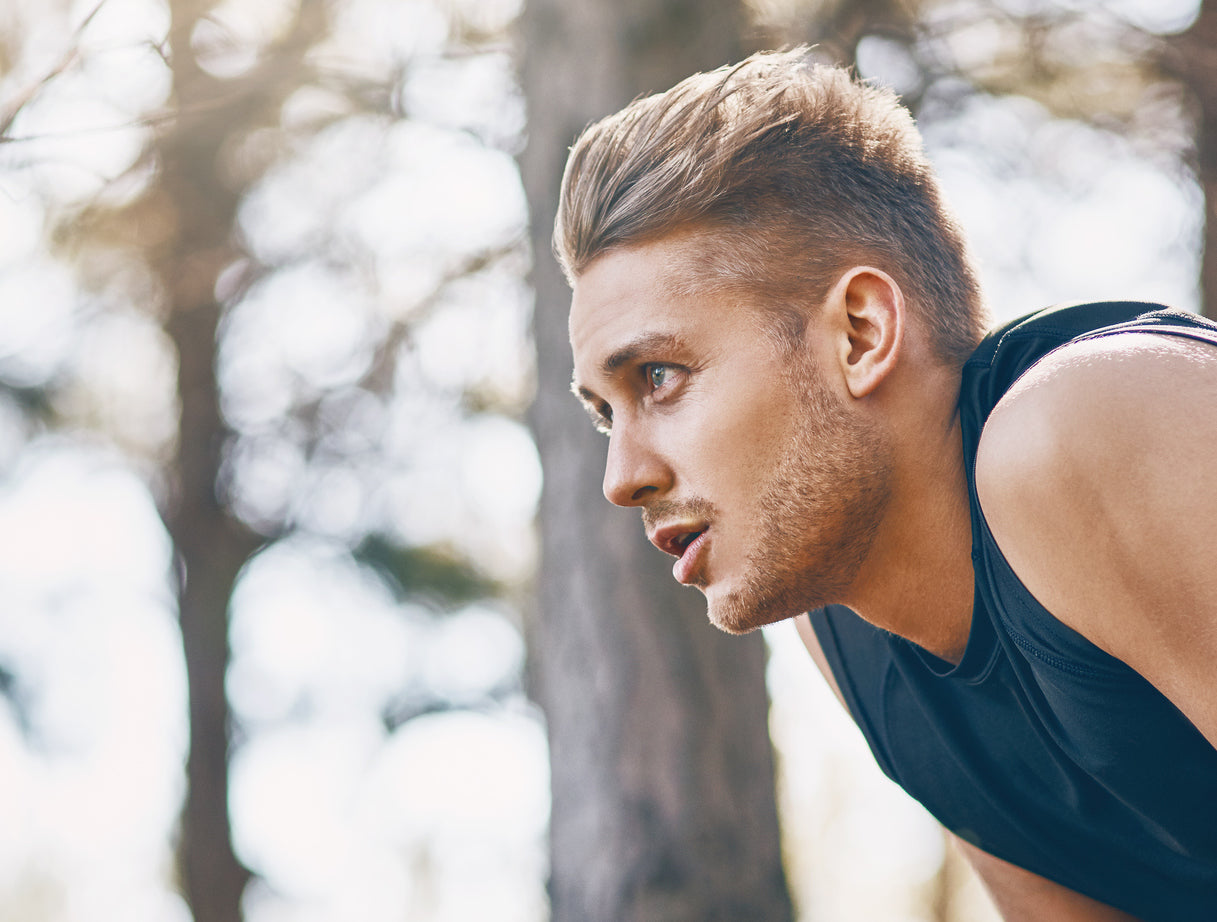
(741, 613)
(732, 626)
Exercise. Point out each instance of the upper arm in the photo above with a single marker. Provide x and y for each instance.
(1096, 474)
(1021, 896)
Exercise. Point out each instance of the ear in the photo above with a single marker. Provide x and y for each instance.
(868, 312)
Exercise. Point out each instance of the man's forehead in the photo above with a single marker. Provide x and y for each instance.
(681, 265)
(680, 262)
(610, 297)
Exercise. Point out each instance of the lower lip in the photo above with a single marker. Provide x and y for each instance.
(686, 565)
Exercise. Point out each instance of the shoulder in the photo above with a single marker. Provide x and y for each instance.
(1103, 415)
(1095, 474)
(1095, 404)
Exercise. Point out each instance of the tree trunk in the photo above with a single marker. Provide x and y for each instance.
(211, 550)
(210, 546)
(662, 768)
(1192, 57)
(194, 204)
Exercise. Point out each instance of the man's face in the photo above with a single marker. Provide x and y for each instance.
(746, 463)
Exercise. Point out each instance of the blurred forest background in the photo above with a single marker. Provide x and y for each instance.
(293, 626)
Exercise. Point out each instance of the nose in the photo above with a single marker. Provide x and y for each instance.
(633, 471)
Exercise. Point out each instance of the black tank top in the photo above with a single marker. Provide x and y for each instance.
(1038, 747)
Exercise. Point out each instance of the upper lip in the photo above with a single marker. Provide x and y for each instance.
(673, 539)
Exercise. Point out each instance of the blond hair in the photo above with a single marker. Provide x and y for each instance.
(790, 172)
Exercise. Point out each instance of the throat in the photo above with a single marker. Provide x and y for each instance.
(937, 618)
(951, 641)
(920, 583)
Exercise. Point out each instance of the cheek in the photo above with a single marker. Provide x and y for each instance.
(743, 443)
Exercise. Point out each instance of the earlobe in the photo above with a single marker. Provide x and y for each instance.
(871, 309)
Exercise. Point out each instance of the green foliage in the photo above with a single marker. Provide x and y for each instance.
(35, 402)
(12, 691)
(431, 574)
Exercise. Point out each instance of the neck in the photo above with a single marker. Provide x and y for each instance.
(918, 581)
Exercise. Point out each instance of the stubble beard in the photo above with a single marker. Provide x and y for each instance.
(818, 515)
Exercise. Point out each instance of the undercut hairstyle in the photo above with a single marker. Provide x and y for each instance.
(784, 173)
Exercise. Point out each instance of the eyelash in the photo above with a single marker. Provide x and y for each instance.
(604, 419)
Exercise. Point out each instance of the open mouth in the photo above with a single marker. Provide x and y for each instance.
(690, 558)
(677, 538)
(682, 543)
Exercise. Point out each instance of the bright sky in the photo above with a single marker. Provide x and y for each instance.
(444, 818)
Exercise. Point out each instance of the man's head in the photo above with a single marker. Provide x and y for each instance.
(790, 173)
(765, 468)
(768, 297)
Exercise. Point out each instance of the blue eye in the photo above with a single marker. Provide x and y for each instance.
(657, 375)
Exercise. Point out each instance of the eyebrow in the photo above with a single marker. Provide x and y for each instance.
(639, 345)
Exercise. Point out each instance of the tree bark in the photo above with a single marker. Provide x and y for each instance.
(195, 204)
(662, 768)
(1192, 58)
(209, 545)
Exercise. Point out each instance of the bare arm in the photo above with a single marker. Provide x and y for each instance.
(1021, 896)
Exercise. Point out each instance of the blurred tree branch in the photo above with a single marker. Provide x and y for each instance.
(160, 237)
(10, 112)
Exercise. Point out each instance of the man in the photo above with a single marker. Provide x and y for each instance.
(1005, 543)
